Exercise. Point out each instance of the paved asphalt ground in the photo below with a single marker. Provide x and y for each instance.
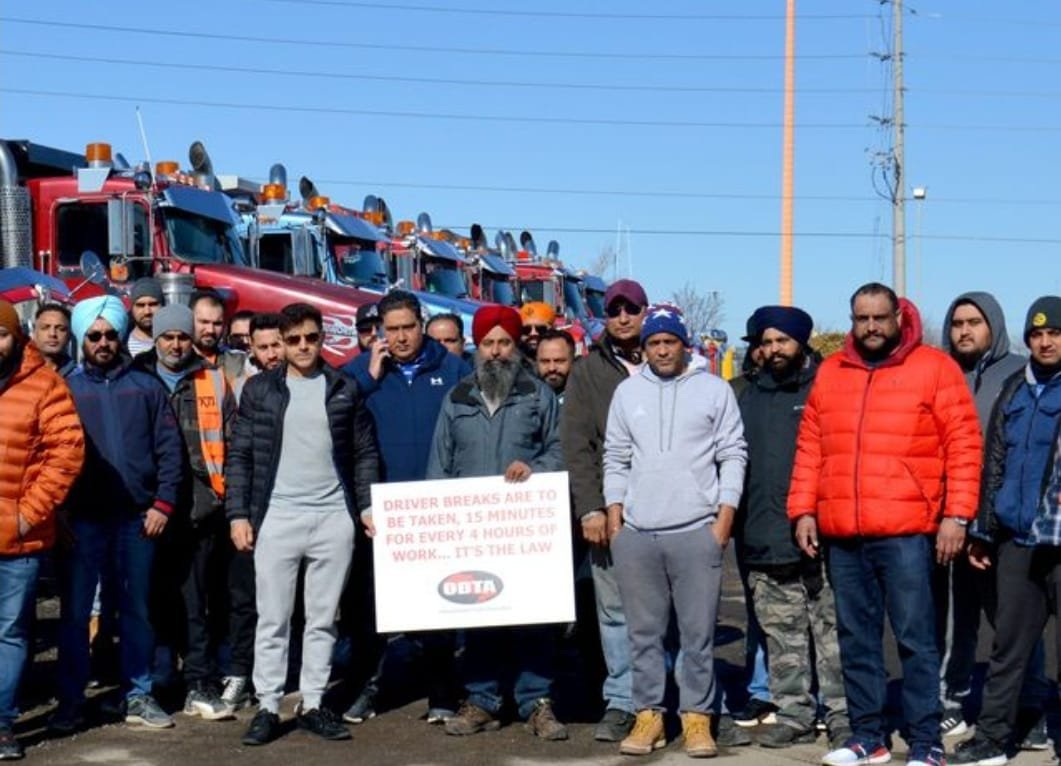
(396, 738)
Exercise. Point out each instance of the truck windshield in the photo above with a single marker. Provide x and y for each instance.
(199, 239)
(499, 290)
(575, 308)
(538, 290)
(595, 301)
(357, 266)
(274, 253)
(443, 278)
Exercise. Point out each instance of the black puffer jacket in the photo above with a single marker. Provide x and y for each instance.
(254, 452)
(771, 411)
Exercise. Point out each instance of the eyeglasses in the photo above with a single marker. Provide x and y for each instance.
(94, 336)
(235, 336)
(311, 338)
(533, 329)
(618, 308)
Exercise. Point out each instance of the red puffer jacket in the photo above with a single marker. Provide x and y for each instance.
(42, 447)
(881, 451)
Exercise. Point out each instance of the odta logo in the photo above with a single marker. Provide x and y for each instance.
(470, 587)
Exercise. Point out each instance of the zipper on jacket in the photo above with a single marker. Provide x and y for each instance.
(858, 452)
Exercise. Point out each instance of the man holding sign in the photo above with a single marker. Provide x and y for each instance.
(501, 420)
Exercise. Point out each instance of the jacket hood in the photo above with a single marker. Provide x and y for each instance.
(996, 320)
(911, 333)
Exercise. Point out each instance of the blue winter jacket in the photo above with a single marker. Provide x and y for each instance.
(406, 412)
(1019, 451)
(134, 453)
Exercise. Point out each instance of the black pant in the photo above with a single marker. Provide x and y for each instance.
(242, 612)
(1028, 582)
(206, 552)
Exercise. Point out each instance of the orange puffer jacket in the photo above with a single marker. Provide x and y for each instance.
(882, 451)
(42, 448)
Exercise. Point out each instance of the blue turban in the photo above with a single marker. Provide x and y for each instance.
(793, 322)
(105, 307)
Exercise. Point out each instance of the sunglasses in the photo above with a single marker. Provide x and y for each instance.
(311, 338)
(618, 308)
(533, 329)
(96, 335)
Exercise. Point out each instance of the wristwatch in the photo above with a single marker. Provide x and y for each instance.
(958, 520)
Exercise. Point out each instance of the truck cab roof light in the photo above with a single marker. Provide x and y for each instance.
(405, 228)
(318, 203)
(274, 193)
(167, 168)
(98, 155)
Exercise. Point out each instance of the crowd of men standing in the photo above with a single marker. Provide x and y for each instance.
(224, 467)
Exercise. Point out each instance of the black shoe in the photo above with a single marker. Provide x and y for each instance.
(263, 729)
(978, 752)
(731, 735)
(614, 726)
(324, 723)
(757, 711)
(1036, 737)
(10, 749)
(782, 735)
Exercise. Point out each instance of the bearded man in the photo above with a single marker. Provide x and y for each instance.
(501, 420)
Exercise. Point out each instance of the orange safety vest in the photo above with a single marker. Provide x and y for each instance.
(210, 390)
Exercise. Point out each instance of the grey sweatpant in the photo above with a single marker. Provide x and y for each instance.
(325, 541)
(655, 571)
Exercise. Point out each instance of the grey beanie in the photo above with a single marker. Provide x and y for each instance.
(175, 317)
(146, 286)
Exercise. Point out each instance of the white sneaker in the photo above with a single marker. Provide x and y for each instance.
(857, 752)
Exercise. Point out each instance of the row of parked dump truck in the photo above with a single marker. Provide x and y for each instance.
(260, 245)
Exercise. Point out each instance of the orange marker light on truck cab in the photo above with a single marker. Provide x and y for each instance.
(167, 168)
(274, 193)
(405, 228)
(98, 153)
(318, 202)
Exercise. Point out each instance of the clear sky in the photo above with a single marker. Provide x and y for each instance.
(573, 118)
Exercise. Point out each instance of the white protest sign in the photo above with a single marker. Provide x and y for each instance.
(470, 553)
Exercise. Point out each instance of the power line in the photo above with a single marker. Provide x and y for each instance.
(649, 88)
(657, 88)
(521, 119)
(745, 233)
(661, 193)
(565, 14)
(392, 46)
(526, 119)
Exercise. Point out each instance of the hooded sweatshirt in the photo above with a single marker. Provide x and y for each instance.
(998, 363)
(674, 450)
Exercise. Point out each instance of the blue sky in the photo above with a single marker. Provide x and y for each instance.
(982, 113)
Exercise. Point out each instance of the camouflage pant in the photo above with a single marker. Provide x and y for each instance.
(793, 607)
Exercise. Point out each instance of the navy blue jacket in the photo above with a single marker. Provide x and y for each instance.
(1019, 449)
(405, 413)
(134, 453)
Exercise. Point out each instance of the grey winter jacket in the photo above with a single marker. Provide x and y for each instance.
(674, 450)
(469, 441)
(986, 379)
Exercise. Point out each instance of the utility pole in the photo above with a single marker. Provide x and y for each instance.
(899, 196)
(787, 151)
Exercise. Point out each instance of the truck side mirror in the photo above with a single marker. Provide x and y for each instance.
(92, 268)
(120, 236)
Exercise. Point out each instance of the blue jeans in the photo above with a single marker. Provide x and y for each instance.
(894, 574)
(615, 642)
(120, 541)
(18, 585)
(526, 652)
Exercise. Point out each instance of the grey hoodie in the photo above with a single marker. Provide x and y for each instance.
(674, 450)
(997, 364)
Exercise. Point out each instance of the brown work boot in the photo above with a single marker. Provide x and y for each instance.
(647, 734)
(543, 722)
(696, 731)
(471, 719)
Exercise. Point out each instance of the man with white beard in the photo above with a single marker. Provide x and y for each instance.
(501, 420)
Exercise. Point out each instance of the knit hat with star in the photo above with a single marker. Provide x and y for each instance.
(668, 319)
